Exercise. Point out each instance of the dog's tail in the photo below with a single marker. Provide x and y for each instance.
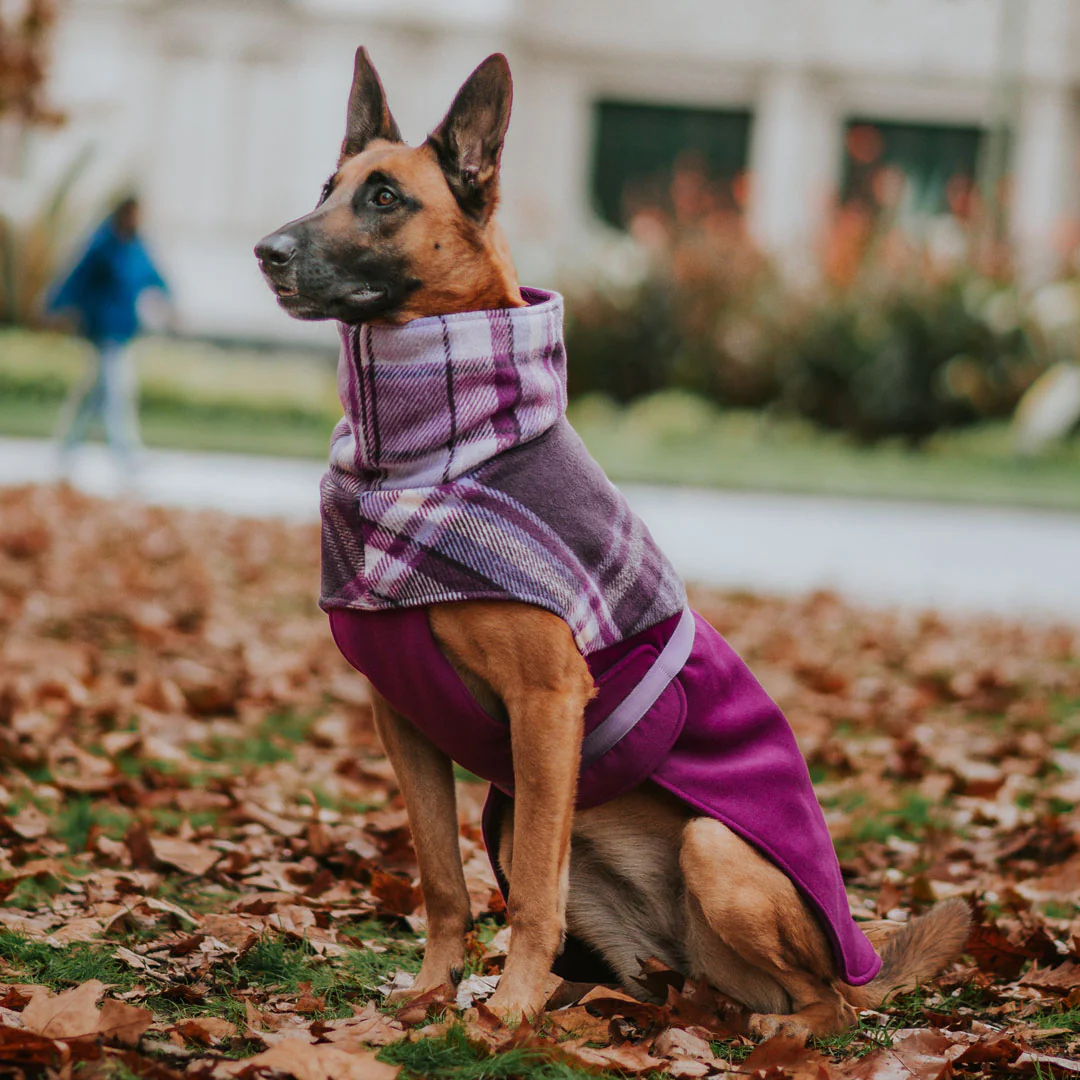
(918, 951)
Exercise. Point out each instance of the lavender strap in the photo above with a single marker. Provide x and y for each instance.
(625, 716)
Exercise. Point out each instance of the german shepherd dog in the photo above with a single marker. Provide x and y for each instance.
(403, 232)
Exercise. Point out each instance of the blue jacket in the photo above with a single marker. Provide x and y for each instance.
(105, 284)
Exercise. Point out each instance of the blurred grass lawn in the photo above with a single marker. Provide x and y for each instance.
(201, 397)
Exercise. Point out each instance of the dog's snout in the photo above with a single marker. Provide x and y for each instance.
(277, 249)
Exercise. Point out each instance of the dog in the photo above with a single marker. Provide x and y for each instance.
(405, 237)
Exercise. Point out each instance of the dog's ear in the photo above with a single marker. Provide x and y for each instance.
(469, 141)
(368, 116)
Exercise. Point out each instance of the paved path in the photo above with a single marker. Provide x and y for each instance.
(957, 558)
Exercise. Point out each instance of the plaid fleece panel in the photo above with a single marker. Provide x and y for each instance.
(431, 401)
(412, 517)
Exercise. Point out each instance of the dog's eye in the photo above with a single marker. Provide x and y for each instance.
(384, 197)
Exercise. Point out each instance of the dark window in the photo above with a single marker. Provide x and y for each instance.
(938, 164)
(638, 148)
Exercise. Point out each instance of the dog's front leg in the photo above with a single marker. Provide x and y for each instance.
(426, 777)
(527, 658)
(546, 730)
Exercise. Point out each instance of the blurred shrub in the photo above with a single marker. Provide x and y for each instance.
(695, 315)
(914, 357)
(885, 336)
(31, 250)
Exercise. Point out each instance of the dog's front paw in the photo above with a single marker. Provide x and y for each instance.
(765, 1025)
(513, 1006)
(425, 982)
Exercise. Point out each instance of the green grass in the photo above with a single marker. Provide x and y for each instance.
(1070, 1019)
(275, 740)
(201, 397)
(452, 1056)
(60, 969)
(675, 438)
(79, 815)
(731, 1052)
(193, 395)
(272, 963)
(914, 819)
(290, 967)
(39, 892)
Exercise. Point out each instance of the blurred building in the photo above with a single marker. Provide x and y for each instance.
(227, 113)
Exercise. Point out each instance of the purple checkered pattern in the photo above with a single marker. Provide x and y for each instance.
(453, 476)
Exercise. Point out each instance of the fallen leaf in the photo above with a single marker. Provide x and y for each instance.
(28, 1050)
(191, 858)
(679, 1043)
(303, 1061)
(627, 1059)
(71, 1015)
(369, 1027)
(914, 1055)
(206, 1030)
(121, 1023)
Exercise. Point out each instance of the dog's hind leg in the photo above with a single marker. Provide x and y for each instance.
(426, 778)
(753, 937)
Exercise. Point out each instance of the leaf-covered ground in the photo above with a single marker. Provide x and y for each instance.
(205, 870)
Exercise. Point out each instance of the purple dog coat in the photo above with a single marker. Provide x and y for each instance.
(713, 737)
(454, 475)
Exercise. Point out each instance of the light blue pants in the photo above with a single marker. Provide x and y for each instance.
(108, 393)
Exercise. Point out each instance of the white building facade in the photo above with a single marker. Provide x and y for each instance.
(226, 114)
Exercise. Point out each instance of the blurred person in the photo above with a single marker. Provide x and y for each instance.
(100, 296)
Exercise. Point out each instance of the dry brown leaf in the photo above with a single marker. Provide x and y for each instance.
(395, 892)
(233, 931)
(29, 1050)
(627, 1059)
(1046, 1063)
(191, 858)
(169, 908)
(122, 1023)
(679, 1043)
(1063, 978)
(71, 1015)
(76, 930)
(30, 823)
(76, 770)
(206, 1030)
(789, 1055)
(74, 1015)
(422, 1007)
(915, 1054)
(303, 1061)
(578, 1021)
(369, 1026)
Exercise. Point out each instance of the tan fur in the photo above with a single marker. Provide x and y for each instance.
(426, 777)
(739, 922)
(915, 951)
(528, 659)
(467, 264)
(639, 876)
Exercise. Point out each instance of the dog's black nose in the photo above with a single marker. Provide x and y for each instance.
(277, 249)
